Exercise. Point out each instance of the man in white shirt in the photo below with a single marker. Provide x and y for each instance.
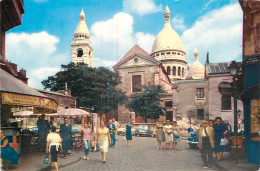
(206, 143)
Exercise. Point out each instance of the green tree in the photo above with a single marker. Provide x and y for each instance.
(92, 87)
(147, 103)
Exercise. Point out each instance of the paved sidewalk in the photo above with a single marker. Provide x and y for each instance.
(228, 164)
(34, 161)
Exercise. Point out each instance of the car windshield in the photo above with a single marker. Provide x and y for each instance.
(143, 127)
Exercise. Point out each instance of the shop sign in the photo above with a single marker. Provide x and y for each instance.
(27, 100)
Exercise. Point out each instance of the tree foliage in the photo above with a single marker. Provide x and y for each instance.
(92, 87)
(147, 103)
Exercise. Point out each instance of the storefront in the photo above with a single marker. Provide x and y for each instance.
(14, 93)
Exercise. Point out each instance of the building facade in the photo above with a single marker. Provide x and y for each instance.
(81, 47)
(138, 68)
(251, 80)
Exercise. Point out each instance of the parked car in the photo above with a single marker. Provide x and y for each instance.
(143, 130)
(121, 130)
(192, 140)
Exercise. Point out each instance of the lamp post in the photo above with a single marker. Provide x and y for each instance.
(233, 69)
(239, 114)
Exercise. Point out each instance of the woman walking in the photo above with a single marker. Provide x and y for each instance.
(7, 152)
(220, 132)
(129, 134)
(160, 133)
(102, 137)
(168, 135)
(53, 145)
(176, 135)
(86, 139)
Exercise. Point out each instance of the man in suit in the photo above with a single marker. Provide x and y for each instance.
(42, 125)
(112, 130)
(65, 133)
(206, 143)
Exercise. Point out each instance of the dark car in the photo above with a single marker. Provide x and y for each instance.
(192, 140)
(143, 130)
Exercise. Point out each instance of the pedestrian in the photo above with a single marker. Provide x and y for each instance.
(86, 139)
(176, 135)
(103, 136)
(220, 132)
(168, 135)
(128, 133)
(206, 143)
(53, 146)
(43, 126)
(211, 123)
(190, 129)
(117, 126)
(7, 152)
(52, 123)
(65, 133)
(112, 130)
(159, 133)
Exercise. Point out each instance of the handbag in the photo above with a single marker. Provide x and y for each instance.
(46, 160)
(223, 141)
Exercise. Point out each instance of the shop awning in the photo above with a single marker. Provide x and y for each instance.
(15, 92)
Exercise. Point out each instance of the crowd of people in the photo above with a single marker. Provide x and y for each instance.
(210, 136)
(170, 134)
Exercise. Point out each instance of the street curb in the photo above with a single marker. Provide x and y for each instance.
(219, 167)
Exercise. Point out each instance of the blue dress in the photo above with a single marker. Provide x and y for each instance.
(8, 153)
(219, 130)
(128, 132)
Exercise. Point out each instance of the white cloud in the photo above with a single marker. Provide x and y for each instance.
(178, 22)
(35, 46)
(112, 38)
(39, 74)
(219, 32)
(141, 7)
(105, 63)
(145, 41)
(32, 52)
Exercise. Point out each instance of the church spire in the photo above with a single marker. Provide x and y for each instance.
(167, 15)
(82, 26)
(196, 55)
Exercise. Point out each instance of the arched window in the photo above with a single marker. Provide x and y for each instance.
(168, 70)
(182, 72)
(179, 71)
(89, 53)
(174, 70)
(79, 53)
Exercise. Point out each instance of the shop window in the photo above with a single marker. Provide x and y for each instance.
(200, 114)
(200, 93)
(226, 102)
(136, 83)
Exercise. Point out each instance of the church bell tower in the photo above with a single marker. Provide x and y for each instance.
(81, 48)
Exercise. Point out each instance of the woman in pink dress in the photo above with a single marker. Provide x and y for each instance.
(86, 139)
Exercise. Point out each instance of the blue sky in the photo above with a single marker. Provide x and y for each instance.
(42, 43)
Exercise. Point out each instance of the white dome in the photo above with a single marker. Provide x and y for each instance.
(196, 70)
(167, 39)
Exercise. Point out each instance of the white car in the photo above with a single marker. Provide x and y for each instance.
(121, 130)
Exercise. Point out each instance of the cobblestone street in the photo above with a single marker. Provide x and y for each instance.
(143, 155)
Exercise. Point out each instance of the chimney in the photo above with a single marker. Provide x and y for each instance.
(207, 60)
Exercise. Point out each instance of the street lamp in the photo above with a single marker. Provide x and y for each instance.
(233, 69)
